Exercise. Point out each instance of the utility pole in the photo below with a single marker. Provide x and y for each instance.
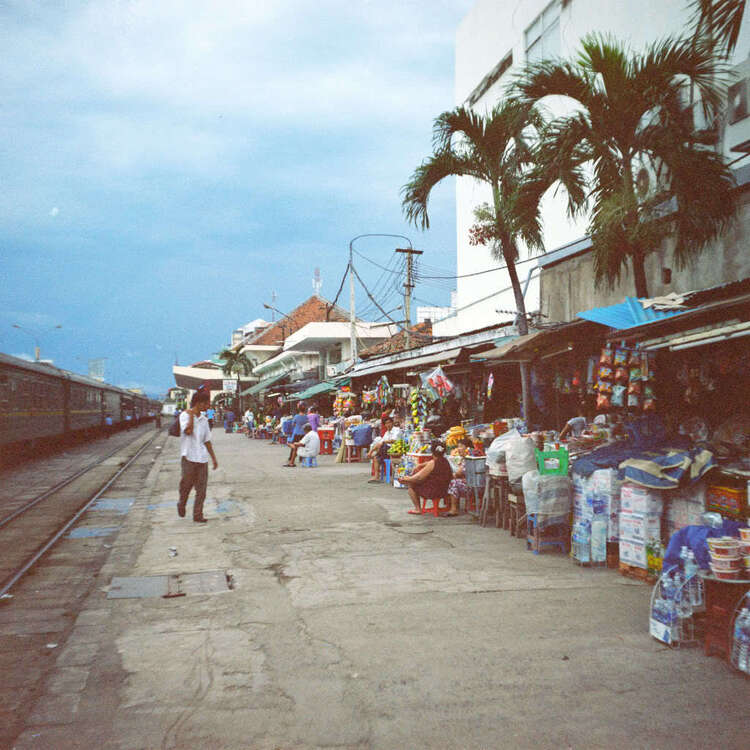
(352, 318)
(410, 252)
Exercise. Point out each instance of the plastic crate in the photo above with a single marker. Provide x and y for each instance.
(552, 462)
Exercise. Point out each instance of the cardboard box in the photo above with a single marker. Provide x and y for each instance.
(641, 526)
(637, 499)
(633, 552)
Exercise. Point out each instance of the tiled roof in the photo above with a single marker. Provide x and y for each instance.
(419, 334)
(312, 310)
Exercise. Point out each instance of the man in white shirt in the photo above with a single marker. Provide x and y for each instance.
(195, 449)
(379, 450)
(307, 447)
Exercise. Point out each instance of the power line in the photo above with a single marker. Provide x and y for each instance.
(336, 298)
(375, 302)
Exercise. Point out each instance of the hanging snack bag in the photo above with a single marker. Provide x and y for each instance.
(607, 356)
(604, 386)
(605, 372)
(621, 357)
(618, 395)
(602, 402)
(621, 374)
(634, 400)
(634, 387)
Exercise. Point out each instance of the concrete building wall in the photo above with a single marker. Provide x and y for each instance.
(491, 30)
(568, 287)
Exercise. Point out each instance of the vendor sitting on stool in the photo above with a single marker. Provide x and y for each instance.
(379, 449)
(431, 480)
(307, 447)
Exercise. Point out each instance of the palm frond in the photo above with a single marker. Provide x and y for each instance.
(457, 121)
(434, 169)
(718, 21)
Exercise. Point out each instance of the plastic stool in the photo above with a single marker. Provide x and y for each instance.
(353, 454)
(385, 471)
(282, 439)
(436, 509)
(310, 461)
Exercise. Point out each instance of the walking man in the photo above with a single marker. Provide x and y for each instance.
(195, 449)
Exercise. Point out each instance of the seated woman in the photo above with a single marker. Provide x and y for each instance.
(432, 478)
(458, 488)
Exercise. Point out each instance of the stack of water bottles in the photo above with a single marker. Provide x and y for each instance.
(590, 522)
(741, 640)
(677, 596)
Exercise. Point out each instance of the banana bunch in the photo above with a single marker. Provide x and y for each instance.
(418, 404)
(398, 448)
(455, 435)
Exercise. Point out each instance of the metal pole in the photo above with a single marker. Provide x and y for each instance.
(352, 328)
(410, 251)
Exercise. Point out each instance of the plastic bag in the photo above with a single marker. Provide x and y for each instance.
(520, 457)
(496, 451)
(549, 495)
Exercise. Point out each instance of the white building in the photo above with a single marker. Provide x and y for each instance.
(493, 42)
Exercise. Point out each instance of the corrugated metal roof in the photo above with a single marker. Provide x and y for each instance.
(626, 314)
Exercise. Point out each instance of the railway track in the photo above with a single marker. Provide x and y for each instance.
(30, 527)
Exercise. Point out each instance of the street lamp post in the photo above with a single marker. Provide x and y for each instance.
(34, 335)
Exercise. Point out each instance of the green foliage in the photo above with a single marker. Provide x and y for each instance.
(630, 120)
(718, 22)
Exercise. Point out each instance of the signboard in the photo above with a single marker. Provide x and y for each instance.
(230, 386)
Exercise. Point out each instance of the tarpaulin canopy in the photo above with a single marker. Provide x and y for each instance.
(627, 314)
(263, 384)
(326, 386)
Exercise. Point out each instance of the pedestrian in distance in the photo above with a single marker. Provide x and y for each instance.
(210, 414)
(108, 425)
(195, 450)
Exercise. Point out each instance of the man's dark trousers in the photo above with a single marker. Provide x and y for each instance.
(193, 475)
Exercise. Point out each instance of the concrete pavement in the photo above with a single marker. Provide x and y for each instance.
(353, 624)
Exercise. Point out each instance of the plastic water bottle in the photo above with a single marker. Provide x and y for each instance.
(743, 661)
(582, 541)
(599, 539)
(691, 575)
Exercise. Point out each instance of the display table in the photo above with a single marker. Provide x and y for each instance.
(722, 598)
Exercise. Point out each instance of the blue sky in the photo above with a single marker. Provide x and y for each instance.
(168, 164)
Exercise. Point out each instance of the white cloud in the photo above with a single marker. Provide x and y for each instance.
(55, 211)
(23, 356)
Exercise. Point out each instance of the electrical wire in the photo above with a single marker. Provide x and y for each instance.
(375, 302)
(336, 298)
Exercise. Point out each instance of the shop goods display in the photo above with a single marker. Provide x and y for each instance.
(455, 435)
(727, 563)
(398, 448)
(418, 405)
(685, 507)
(624, 380)
(729, 501)
(676, 597)
(345, 401)
(439, 383)
(383, 391)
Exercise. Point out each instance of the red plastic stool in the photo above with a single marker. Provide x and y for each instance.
(436, 509)
(282, 439)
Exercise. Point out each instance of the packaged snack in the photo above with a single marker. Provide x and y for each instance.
(621, 374)
(602, 402)
(576, 382)
(634, 400)
(621, 356)
(607, 356)
(604, 386)
(618, 395)
(635, 372)
(634, 387)
(605, 372)
(649, 404)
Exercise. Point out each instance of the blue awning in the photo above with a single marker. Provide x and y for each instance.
(626, 314)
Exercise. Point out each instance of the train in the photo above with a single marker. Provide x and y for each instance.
(40, 404)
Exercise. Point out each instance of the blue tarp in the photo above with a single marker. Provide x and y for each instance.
(626, 314)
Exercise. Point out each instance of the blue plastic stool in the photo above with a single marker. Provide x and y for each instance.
(385, 470)
(540, 536)
(310, 461)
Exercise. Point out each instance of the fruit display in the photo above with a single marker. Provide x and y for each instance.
(398, 448)
(418, 404)
(455, 435)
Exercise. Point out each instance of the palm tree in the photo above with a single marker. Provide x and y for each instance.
(652, 175)
(494, 149)
(719, 21)
(238, 363)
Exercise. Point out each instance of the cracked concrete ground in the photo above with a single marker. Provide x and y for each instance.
(355, 625)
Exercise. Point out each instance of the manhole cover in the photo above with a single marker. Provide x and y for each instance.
(167, 586)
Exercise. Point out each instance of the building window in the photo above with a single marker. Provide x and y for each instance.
(543, 36)
(492, 77)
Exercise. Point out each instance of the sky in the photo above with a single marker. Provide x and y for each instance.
(169, 165)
